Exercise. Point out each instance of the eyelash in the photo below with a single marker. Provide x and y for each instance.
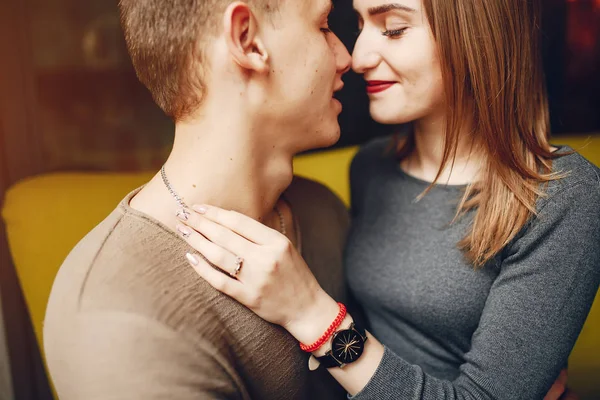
(394, 34)
(326, 30)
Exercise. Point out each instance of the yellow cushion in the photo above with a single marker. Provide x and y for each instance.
(330, 168)
(47, 215)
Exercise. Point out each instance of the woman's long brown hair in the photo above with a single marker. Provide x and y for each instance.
(489, 52)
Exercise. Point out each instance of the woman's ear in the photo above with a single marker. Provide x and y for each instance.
(241, 34)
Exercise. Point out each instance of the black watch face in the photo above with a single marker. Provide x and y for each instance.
(347, 346)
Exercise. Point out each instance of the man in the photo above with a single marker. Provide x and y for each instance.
(249, 85)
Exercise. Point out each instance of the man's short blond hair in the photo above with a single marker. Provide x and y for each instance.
(162, 39)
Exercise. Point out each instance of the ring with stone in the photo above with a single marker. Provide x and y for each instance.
(239, 262)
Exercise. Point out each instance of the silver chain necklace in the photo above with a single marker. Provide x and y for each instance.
(184, 206)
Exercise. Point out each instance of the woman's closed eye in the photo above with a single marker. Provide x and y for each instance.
(394, 33)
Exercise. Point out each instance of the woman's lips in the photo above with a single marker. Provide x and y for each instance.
(378, 86)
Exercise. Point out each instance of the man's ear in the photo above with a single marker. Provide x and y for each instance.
(241, 34)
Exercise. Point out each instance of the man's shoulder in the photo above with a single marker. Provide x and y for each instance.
(313, 192)
(315, 204)
(323, 222)
(129, 265)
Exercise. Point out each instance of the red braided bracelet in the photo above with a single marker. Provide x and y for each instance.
(328, 333)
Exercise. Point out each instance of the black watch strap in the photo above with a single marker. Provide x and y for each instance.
(329, 360)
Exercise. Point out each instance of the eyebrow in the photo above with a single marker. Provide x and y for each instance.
(389, 7)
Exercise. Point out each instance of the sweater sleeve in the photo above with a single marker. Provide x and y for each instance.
(532, 317)
(124, 356)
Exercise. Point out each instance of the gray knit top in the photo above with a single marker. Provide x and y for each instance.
(453, 332)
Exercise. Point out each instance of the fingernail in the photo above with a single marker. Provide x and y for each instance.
(200, 209)
(192, 259)
(184, 230)
(182, 214)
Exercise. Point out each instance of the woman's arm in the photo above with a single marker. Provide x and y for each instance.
(534, 313)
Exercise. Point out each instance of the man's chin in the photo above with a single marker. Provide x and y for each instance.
(328, 137)
(334, 137)
(322, 141)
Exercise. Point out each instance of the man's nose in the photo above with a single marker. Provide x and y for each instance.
(343, 58)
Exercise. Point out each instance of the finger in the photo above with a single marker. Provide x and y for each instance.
(563, 376)
(223, 283)
(555, 392)
(558, 388)
(218, 234)
(238, 223)
(569, 395)
(214, 254)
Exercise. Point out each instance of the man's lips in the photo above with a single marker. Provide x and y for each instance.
(378, 86)
(336, 91)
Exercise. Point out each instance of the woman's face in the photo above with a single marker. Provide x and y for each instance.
(396, 52)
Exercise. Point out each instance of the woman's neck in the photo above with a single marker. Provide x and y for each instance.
(425, 160)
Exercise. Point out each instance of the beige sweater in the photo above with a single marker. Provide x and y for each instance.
(128, 318)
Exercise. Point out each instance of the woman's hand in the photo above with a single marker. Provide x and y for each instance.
(559, 389)
(275, 283)
(272, 279)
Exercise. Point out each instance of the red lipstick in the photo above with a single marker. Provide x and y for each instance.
(378, 86)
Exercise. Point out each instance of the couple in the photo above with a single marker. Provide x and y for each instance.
(474, 243)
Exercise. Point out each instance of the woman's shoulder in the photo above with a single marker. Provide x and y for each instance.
(571, 202)
(566, 225)
(576, 174)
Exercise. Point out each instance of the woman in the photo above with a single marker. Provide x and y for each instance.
(475, 245)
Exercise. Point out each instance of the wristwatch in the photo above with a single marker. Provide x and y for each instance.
(347, 346)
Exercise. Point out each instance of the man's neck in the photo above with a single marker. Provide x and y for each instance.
(221, 164)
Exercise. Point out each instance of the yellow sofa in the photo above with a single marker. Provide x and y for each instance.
(47, 215)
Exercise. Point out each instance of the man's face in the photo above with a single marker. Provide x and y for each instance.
(307, 63)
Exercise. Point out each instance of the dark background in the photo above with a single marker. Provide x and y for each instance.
(90, 112)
